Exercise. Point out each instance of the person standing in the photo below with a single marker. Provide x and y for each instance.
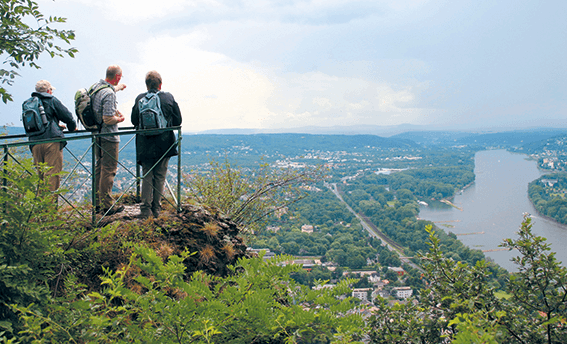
(106, 150)
(153, 152)
(51, 153)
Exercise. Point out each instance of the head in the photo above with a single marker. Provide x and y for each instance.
(44, 86)
(153, 80)
(113, 75)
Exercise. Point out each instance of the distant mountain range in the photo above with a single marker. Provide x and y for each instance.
(359, 136)
(384, 131)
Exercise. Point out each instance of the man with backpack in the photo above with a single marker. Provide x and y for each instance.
(153, 149)
(106, 151)
(52, 111)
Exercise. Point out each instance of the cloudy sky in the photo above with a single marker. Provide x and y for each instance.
(289, 63)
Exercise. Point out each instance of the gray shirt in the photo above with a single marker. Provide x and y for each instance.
(105, 104)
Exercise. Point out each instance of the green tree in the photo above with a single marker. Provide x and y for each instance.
(539, 287)
(462, 306)
(248, 198)
(23, 44)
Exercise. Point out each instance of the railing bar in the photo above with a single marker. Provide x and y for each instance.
(179, 138)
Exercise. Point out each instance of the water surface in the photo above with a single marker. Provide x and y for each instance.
(494, 204)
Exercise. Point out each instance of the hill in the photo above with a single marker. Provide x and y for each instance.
(496, 139)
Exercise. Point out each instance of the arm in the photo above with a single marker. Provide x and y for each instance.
(135, 115)
(176, 118)
(119, 87)
(64, 115)
(110, 120)
(110, 114)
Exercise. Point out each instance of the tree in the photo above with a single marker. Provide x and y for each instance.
(462, 305)
(248, 198)
(540, 286)
(23, 44)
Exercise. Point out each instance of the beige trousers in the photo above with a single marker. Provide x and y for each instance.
(106, 154)
(52, 155)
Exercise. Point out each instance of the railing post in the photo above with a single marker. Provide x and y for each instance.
(4, 180)
(93, 176)
(179, 137)
(138, 173)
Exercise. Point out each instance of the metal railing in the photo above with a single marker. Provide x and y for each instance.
(76, 156)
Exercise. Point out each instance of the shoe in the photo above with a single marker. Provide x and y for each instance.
(144, 215)
(112, 211)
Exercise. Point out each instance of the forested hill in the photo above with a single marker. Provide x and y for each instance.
(292, 143)
(502, 139)
(555, 143)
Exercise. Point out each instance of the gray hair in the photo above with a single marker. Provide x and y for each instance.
(43, 86)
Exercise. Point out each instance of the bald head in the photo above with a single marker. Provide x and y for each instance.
(113, 74)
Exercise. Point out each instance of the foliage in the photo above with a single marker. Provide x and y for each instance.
(23, 44)
(259, 303)
(547, 194)
(30, 238)
(247, 198)
(462, 306)
(539, 289)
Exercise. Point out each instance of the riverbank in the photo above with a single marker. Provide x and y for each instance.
(446, 201)
(550, 219)
(496, 205)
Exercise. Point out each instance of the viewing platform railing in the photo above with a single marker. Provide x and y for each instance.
(76, 162)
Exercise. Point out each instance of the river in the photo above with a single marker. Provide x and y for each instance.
(493, 207)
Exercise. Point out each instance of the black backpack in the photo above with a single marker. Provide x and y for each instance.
(84, 108)
(33, 116)
(151, 116)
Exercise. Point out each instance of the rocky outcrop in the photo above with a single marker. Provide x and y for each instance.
(212, 238)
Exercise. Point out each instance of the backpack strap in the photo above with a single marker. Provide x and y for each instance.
(45, 117)
(92, 91)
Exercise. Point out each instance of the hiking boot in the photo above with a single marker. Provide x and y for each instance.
(144, 215)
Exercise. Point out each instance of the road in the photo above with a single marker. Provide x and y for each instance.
(371, 228)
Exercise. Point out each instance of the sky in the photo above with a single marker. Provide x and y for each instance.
(287, 64)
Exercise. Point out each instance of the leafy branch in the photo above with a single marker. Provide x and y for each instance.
(23, 44)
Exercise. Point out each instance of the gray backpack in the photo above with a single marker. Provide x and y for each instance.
(33, 117)
(151, 116)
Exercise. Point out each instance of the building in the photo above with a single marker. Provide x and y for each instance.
(361, 293)
(307, 228)
(402, 292)
(397, 270)
(267, 253)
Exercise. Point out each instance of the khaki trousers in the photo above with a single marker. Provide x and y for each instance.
(52, 155)
(106, 154)
(152, 186)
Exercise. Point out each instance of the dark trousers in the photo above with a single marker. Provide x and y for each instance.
(152, 186)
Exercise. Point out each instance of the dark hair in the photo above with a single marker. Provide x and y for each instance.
(113, 71)
(153, 80)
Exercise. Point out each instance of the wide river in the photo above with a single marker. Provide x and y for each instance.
(493, 206)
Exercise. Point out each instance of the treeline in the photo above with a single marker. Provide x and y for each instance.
(389, 202)
(337, 237)
(427, 182)
(547, 194)
(395, 211)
